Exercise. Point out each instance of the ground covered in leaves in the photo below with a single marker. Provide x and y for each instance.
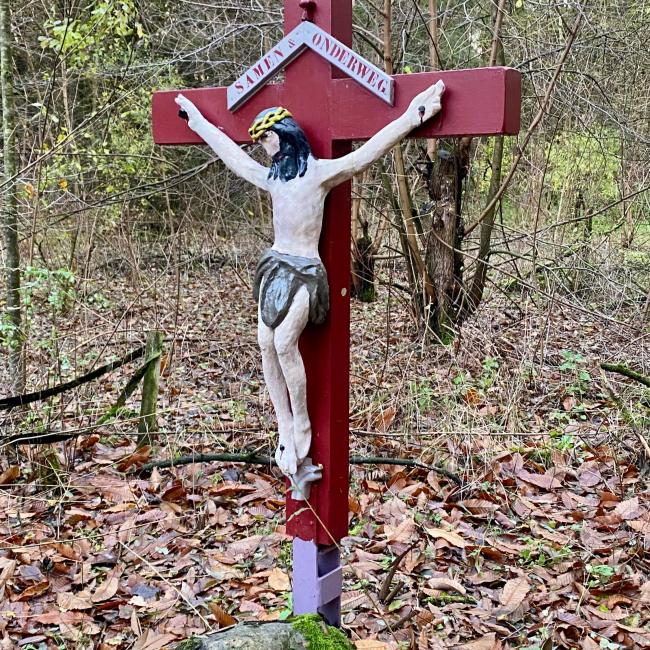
(546, 544)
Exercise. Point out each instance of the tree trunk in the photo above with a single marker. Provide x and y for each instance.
(421, 286)
(150, 387)
(443, 257)
(363, 267)
(14, 334)
(475, 294)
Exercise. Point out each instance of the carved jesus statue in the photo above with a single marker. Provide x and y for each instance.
(290, 282)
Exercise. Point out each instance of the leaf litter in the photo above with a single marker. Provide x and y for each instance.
(545, 546)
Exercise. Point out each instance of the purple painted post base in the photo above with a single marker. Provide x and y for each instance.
(317, 580)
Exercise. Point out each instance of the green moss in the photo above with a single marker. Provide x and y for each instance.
(190, 644)
(320, 636)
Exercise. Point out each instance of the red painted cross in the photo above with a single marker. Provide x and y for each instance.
(334, 110)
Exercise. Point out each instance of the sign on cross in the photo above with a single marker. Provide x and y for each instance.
(337, 98)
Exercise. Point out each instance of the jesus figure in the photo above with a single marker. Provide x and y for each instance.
(290, 282)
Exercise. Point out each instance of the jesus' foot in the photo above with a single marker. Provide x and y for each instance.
(285, 457)
(301, 438)
(301, 481)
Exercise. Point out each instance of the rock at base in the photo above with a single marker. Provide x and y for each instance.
(302, 633)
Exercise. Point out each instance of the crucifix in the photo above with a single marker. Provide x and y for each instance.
(330, 97)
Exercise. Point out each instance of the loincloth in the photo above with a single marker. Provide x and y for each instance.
(280, 276)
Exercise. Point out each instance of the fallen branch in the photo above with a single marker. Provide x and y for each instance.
(255, 459)
(627, 372)
(27, 398)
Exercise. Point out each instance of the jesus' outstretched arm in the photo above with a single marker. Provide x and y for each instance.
(422, 107)
(234, 158)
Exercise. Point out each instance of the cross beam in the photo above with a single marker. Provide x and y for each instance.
(480, 101)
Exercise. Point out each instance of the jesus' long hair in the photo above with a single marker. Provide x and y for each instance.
(291, 160)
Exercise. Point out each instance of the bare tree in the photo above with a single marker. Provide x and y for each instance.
(13, 330)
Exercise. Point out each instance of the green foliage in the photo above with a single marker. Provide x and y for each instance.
(319, 635)
(97, 38)
(56, 287)
(582, 161)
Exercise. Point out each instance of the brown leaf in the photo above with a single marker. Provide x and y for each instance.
(175, 493)
(153, 641)
(453, 538)
(370, 644)
(223, 618)
(479, 506)
(589, 476)
(568, 403)
(385, 419)
(138, 457)
(279, 580)
(67, 600)
(545, 481)
(640, 526)
(109, 587)
(629, 509)
(514, 592)
(8, 567)
(10, 475)
(34, 590)
(402, 532)
(487, 642)
(68, 552)
(446, 584)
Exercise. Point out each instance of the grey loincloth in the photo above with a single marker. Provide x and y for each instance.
(280, 276)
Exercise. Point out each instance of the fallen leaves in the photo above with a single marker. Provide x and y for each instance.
(108, 588)
(448, 535)
(279, 580)
(10, 475)
(514, 592)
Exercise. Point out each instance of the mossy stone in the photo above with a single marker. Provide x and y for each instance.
(318, 635)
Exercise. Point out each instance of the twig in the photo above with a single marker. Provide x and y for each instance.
(629, 418)
(384, 592)
(27, 398)
(254, 459)
(405, 619)
(627, 372)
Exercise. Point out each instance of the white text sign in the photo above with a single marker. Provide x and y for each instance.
(308, 35)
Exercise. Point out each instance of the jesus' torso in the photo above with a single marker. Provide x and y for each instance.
(298, 210)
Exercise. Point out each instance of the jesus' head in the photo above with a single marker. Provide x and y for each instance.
(283, 140)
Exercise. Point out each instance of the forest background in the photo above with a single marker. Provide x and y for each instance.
(492, 278)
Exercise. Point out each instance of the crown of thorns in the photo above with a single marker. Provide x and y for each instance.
(265, 121)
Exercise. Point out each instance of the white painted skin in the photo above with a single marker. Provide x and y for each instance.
(297, 219)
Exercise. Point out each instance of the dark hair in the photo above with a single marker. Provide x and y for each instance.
(291, 160)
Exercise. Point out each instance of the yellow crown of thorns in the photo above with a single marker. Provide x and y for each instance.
(266, 121)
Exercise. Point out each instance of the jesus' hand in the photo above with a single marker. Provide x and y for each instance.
(192, 112)
(425, 105)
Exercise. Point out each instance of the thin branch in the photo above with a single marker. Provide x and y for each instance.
(255, 459)
(531, 129)
(27, 398)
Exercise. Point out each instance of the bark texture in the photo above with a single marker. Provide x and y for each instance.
(14, 334)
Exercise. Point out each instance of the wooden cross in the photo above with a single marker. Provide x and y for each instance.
(334, 110)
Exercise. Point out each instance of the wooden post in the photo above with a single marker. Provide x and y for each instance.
(150, 382)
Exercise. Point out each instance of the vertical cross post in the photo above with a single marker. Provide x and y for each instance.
(334, 110)
(320, 524)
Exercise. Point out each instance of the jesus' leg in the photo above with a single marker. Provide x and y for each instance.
(285, 455)
(286, 337)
